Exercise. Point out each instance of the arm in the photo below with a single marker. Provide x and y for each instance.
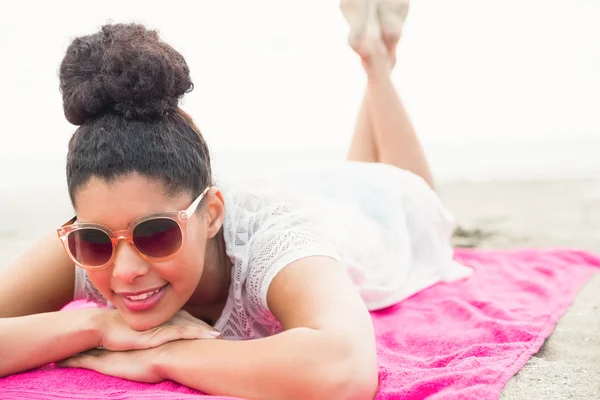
(326, 351)
(35, 340)
(39, 282)
(33, 334)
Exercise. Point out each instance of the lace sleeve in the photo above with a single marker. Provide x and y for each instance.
(294, 235)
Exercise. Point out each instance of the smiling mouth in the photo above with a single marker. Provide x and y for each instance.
(143, 301)
(144, 295)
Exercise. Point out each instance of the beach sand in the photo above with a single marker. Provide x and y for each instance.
(542, 214)
(490, 215)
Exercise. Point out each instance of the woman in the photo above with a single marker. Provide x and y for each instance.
(289, 267)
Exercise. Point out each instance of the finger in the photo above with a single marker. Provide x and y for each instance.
(198, 322)
(186, 316)
(190, 332)
(95, 352)
(77, 361)
(172, 333)
(199, 332)
(84, 358)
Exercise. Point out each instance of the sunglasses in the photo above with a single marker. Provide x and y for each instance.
(157, 237)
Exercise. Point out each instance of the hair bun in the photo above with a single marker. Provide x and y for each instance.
(125, 69)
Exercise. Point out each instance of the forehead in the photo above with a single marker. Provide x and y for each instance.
(117, 202)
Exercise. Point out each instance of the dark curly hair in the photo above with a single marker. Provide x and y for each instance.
(122, 86)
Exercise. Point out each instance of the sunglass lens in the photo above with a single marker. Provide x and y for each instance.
(158, 238)
(90, 247)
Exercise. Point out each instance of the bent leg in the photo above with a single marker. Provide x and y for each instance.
(384, 132)
(362, 147)
(394, 135)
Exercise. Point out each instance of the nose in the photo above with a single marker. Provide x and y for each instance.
(128, 265)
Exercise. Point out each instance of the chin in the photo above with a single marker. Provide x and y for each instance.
(144, 322)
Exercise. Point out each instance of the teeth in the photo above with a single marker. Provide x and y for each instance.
(142, 296)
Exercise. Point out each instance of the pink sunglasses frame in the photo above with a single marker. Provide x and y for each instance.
(180, 217)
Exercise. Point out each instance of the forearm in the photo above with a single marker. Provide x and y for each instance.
(300, 363)
(35, 340)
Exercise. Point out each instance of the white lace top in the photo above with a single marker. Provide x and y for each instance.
(385, 225)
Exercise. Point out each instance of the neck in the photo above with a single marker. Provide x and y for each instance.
(210, 296)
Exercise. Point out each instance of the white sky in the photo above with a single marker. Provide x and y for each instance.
(495, 88)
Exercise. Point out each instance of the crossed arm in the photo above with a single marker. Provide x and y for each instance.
(327, 349)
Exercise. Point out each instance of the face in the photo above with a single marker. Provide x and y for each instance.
(115, 205)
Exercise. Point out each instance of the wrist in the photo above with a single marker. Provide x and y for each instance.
(96, 324)
(161, 360)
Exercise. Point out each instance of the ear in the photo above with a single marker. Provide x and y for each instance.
(215, 211)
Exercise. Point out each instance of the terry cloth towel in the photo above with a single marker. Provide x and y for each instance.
(460, 340)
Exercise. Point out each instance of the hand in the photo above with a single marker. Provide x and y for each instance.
(135, 365)
(116, 335)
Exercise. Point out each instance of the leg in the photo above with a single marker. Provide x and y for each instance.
(384, 132)
(362, 17)
(362, 147)
(394, 135)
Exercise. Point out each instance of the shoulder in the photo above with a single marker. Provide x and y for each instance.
(294, 236)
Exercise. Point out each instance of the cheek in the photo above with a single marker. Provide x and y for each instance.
(192, 259)
(102, 281)
(193, 254)
(185, 271)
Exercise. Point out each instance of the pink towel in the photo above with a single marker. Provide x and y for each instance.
(462, 340)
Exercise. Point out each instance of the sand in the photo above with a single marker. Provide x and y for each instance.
(490, 215)
(542, 214)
